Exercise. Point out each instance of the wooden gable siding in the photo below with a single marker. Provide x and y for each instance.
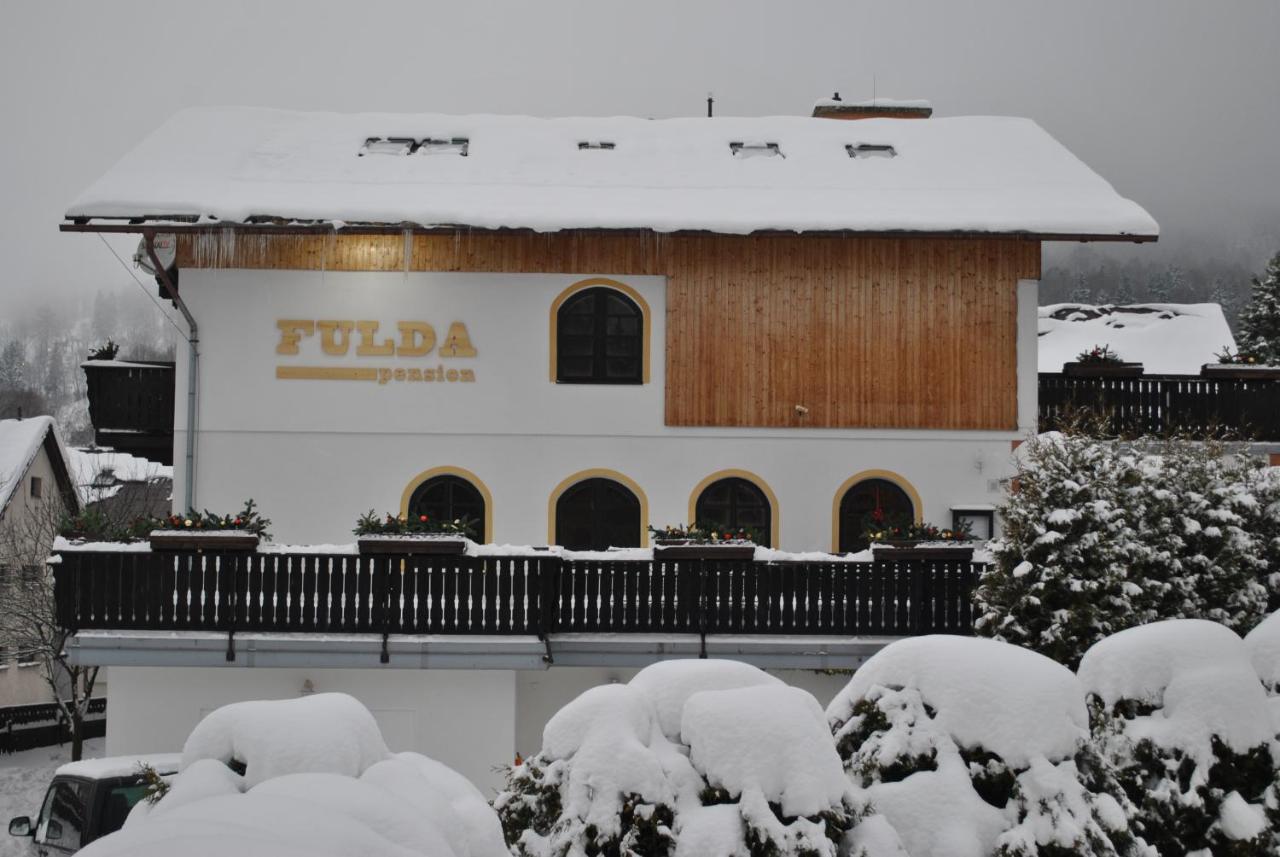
(860, 332)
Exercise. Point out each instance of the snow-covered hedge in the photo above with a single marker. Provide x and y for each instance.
(308, 776)
(972, 747)
(1102, 536)
(698, 757)
(1180, 716)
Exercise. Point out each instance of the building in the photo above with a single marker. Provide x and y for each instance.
(572, 329)
(36, 489)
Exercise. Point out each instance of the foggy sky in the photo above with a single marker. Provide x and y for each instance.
(1176, 103)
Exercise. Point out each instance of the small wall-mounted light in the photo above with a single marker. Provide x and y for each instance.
(802, 410)
(307, 688)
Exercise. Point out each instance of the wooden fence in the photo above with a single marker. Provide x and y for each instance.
(1165, 405)
(533, 594)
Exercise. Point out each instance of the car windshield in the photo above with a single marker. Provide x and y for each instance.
(115, 810)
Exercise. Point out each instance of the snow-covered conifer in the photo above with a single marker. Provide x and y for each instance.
(1260, 318)
(1101, 536)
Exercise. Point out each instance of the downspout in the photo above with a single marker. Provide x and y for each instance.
(193, 362)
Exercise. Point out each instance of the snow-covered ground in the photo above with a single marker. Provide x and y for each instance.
(23, 779)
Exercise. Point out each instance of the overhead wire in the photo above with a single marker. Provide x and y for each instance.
(145, 290)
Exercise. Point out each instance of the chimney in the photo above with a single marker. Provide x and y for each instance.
(876, 108)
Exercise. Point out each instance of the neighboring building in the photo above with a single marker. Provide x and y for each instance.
(1167, 339)
(36, 488)
(572, 329)
(123, 486)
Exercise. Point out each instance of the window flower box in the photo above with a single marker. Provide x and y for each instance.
(1083, 369)
(894, 549)
(1240, 371)
(204, 540)
(406, 544)
(696, 549)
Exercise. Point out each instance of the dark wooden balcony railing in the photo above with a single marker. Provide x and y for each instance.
(534, 594)
(1244, 409)
(131, 407)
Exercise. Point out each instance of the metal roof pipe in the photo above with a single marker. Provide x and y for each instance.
(193, 362)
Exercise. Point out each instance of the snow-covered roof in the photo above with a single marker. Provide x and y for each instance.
(1167, 339)
(20, 442)
(101, 473)
(967, 174)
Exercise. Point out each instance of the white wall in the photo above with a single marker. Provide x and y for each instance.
(315, 454)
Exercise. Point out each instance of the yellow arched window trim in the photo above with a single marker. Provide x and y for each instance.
(605, 282)
(598, 473)
(461, 473)
(889, 476)
(774, 513)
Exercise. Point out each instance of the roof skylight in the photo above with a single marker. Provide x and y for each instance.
(871, 150)
(756, 150)
(595, 144)
(388, 146)
(445, 146)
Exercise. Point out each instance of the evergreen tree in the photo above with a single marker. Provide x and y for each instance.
(1081, 293)
(13, 367)
(1260, 319)
(1159, 288)
(1125, 294)
(1096, 541)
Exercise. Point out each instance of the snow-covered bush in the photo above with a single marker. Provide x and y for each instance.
(1180, 717)
(972, 747)
(1101, 536)
(1263, 645)
(325, 786)
(696, 757)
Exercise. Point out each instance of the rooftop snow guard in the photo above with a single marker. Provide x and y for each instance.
(211, 167)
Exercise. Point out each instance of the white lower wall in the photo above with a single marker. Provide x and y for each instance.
(472, 720)
(465, 719)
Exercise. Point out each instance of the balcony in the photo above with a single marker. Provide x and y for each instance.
(287, 608)
(1188, 405)
(131, 406)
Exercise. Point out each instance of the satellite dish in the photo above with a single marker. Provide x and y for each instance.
(166, 245)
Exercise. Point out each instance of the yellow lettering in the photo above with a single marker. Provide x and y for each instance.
(384, 375)
(428, 374)
(330, 341)
(291, 333)
(399, 374)
(452, 374)
(468, 375)
(457, 342)
(415, 374)
(369, 348)
(417, 338)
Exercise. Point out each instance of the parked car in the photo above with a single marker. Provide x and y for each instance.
(87, 800)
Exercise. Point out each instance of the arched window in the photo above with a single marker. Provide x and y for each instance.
(449, 498)
(599, 338)
(597, 514)
(736, 502)
(861, 501)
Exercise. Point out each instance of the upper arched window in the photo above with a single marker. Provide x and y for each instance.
(861, 502)
(597, 514)
(450, 498)
(735, 502)
(599, 338)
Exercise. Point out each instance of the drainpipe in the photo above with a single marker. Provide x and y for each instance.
(193, 362)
